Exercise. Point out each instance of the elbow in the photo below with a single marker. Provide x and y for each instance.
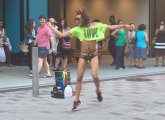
(112, 34)
(61, 36)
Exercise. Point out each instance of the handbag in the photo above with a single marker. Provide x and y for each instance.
(66, 44)
(23, 48)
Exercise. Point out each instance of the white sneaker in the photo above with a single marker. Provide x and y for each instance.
(30, 75)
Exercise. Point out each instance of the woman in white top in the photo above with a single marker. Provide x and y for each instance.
(131, 45)
(4, 41)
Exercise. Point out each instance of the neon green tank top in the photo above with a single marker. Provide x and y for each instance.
(96, 32)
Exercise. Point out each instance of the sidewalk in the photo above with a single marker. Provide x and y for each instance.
(141, 98)
(124, 97)
(17, 77)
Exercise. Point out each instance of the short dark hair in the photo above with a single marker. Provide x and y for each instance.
(120, 21)
(1, 20)
(41, 16)
(142, 27)
(112, 17)
(132, 23)
(112, 20)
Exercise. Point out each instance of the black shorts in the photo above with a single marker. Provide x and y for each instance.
(62, 52)
(42, 52)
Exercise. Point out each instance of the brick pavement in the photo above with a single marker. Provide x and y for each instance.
(140, 98)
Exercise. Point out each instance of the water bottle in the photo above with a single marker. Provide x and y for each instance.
(68, 92)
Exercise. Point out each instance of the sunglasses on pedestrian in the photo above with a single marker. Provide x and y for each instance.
(78, 19)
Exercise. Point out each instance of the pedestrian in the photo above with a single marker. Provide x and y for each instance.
(44, 38)
(99, 45)
(121, 37)
(131, 45)
(30, 37)
(159, 44)
(51, 55)
(112, 40)
(141, 45)
(64, 46)
(5, 42)
(89, 33)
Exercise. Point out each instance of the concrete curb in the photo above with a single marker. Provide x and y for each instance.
(29, 87)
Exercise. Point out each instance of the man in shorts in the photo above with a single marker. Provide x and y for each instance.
(44, 38)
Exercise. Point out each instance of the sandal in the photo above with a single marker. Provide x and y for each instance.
(136, 66)
(141, 67)
(46, 76)
(156, 65)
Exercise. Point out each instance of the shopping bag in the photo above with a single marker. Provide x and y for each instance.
(2, 54)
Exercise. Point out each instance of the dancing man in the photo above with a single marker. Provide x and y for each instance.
(89, 34)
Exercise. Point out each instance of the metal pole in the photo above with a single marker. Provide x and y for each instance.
(35, 81)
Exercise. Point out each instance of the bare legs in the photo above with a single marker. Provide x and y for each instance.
(94, 70)
(80, 72)
(136, 62)
(57, 62)
(140, 63)
(65, 62)
(157, 61)
(40, 64)
(50, 59)
(43, 62)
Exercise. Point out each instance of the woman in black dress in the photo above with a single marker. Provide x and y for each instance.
(159, 44)
(64, 46)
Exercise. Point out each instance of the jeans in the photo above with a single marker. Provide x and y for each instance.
(29, 54)
(112, 47)
(131, 53)
(120, 57)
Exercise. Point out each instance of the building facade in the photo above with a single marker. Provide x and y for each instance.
(16, 13)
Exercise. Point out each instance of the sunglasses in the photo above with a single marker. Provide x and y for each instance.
(78, 19)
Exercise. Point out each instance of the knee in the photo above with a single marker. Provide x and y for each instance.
(95, 77)
(79, 79)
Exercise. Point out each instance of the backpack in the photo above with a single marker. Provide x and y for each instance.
(62, 81)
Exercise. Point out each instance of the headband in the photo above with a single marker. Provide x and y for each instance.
(80, 11)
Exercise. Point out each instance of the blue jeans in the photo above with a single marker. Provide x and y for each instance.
(120, 57)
